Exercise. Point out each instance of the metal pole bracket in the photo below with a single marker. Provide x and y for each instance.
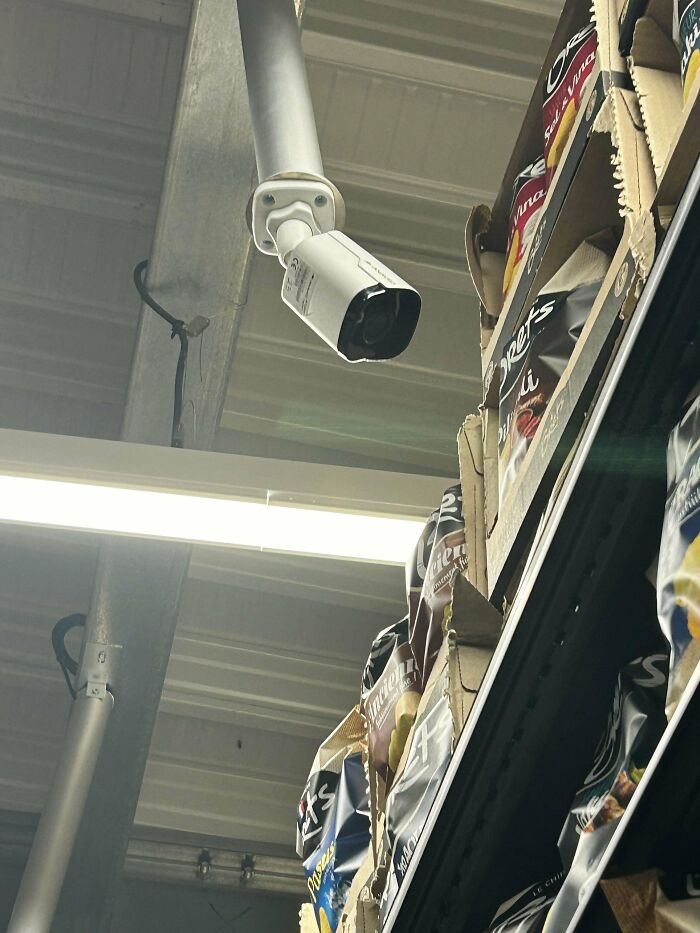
(98, 668)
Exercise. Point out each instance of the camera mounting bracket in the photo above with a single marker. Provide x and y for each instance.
(314, 201)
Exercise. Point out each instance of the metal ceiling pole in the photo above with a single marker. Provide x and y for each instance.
(284, 126)
(53, 841)
(199, 264)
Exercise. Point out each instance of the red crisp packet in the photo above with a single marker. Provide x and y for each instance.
(529, 191)
(562, 93)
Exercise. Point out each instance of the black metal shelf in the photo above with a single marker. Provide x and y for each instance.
(582, 611)
(661, 825)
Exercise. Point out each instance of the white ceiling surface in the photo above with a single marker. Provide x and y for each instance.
(417, 105)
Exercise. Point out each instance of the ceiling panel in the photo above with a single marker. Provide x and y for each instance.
(496, 37)
(259, 674)
(418, 104)
(86, 101)
(90, 60)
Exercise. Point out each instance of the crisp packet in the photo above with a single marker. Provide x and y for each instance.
(333, 825)
(678, 580)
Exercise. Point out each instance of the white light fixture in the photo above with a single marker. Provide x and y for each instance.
(206, 520)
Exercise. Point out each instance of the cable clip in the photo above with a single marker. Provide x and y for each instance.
(197, 326)
(98, 668)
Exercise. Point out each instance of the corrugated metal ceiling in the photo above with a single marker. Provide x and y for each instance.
(417, 106)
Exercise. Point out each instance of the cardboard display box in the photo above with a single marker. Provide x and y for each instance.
(470, 449)
(487, 228)
(672, 129)
(565, 415)
(606, 178)
(361, 911)
(619, 187)
(471, 635)
(650, 180)
(613, 182)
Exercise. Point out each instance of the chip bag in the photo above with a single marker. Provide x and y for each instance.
(415, 788)
(391, 690)
(333, 826)
(635, 725)
(563, 88)
(686, 32)
(529, 190)
(527, 911)
(678, 580)
(535, 357)
(440, 554)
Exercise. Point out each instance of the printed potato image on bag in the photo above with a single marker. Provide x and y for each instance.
(563, 89)
(678, 581)
(529, 190)
(536, 356)
(333, 825)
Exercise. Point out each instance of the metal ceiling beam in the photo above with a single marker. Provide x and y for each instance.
(198, 265)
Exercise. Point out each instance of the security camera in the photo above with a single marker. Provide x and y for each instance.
(353, 302)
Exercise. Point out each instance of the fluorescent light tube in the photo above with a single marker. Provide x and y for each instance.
(206, 520)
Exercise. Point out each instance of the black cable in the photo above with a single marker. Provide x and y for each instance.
(68, 664)
(179, 330)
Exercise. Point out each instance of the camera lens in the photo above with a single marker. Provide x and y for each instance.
(377, 325)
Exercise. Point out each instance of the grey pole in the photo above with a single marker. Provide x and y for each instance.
(199, 263)
(284, 127)
(51, 850)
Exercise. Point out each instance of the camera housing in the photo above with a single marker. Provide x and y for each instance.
(358, 306)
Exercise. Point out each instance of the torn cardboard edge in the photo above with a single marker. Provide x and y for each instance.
(361, 911)
(672, 129)
(655, 68)
(364, 917)
(470, 452)
(350, 733)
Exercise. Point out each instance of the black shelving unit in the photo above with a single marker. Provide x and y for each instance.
(581, 612)
(661, 826)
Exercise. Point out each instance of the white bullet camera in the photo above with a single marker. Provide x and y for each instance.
(350, 299)
(353, 302)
